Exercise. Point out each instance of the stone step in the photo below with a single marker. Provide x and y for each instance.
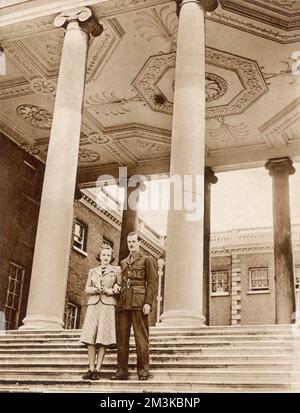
(155, 332)
(233, 358)
(170, 339)
(171, 334)
(197, 344)
(156, 368)
(63, 350)
(47, 361)
(136, 386)
(160, 328)
(187, 375)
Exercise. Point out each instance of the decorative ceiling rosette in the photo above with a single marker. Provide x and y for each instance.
(35, 116)
(87, 155)
(98, 138)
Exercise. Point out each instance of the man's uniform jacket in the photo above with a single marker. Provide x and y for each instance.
(139, 278)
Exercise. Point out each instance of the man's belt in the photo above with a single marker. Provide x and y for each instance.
(133, 283)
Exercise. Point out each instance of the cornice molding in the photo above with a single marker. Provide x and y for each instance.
(262, 12)
(253, 27)
(248, 240)
(273, 131)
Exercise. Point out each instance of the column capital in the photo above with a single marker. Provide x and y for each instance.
(280, 166)
(210, 177)
(82, 18)
(208, 5)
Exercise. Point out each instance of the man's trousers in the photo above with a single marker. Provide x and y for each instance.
(126, 318)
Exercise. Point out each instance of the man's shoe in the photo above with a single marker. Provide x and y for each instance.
(143, 378)
(95, 375)
(88, 375)
(117, 377)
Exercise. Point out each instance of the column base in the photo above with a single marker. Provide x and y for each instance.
(296, 325)
(42, 322)
(182, 318)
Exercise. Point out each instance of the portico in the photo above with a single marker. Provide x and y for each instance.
(184, 100)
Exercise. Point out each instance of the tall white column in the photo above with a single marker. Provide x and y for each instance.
(52, 248)
(280, 169)
(183, 302)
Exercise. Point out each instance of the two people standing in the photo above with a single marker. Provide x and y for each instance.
(131, 289)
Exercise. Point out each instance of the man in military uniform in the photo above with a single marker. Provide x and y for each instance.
(139, 282)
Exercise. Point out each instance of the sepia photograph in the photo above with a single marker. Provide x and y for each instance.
(149, 199)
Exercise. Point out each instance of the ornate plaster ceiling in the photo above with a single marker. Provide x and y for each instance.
(252, 95)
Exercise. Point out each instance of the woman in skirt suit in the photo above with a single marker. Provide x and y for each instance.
(99, 327)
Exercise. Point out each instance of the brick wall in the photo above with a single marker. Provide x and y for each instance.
(19, 216)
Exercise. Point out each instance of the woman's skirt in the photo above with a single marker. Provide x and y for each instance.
(99, 327)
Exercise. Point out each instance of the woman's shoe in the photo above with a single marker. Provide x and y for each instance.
(88, 375)
(96, 375)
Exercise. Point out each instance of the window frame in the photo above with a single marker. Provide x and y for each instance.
(83, 248)
(11, 308)
(219, 293)
(76, 319)
(258, 290)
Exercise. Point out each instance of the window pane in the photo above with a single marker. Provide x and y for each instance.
(10, 300)
(70, 318)
(10, 318)
(219, 282)
(19, 274)
(80, 232)
(7, 312)
(259, 279)
(18, 288)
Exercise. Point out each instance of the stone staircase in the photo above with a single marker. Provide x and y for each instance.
(208, 359)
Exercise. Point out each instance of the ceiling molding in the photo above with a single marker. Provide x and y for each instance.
(281, 17)
(274, 130)
(254, 27)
